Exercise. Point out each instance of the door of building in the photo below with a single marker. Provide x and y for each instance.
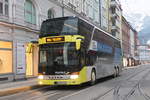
(31, 60)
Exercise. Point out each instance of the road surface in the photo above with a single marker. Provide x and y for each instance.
(132, 84)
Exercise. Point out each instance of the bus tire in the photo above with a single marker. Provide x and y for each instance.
(93, 77)
(118, 71)
(115, 72)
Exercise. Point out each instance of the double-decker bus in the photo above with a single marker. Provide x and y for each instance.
(73, 51)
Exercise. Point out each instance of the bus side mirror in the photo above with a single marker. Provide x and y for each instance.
(78, 44)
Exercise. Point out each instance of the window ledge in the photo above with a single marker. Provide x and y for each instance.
(32, 26)
(4, 18)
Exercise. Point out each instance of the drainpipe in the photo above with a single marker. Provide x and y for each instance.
(100, 13)
(14, 58)
(62, 8)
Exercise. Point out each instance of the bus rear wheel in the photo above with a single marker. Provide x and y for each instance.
(115, 72)
(118, 71)
(93, 78)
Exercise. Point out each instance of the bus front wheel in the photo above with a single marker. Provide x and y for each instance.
(93, 77)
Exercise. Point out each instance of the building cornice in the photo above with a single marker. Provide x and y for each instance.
(17, 26)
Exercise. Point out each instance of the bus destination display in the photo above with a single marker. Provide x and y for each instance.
(55, 39)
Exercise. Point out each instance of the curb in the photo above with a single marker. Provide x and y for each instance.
(6, 92)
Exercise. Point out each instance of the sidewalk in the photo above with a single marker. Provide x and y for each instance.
(131, 67)
(18, 86)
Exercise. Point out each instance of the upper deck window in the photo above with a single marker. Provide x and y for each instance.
(59, 27)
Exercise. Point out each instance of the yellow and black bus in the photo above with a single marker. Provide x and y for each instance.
(73, 51)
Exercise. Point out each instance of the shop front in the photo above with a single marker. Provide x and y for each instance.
(27, 60)
(125, 62)
(6, 65)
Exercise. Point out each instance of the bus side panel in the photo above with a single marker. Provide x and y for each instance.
(103, 69)
(99, 69)
(106, 53)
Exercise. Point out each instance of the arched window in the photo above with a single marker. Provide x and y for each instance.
(30, 12)
(4, 7)
(51, 13)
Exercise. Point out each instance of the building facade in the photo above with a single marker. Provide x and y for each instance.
(130, 42)
(134, 57)
(125, 41)
(144, 54)
(88, 9)
(136, 52)
(104, 14)
(115, 15)
(132, 47)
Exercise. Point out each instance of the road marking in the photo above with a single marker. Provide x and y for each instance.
(65, 97)
(76, 93)
(44, 96)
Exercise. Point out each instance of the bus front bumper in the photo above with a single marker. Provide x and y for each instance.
(59, 82)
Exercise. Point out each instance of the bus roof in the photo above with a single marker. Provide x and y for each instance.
(73, 17)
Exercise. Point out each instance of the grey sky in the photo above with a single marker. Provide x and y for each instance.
(135, 11)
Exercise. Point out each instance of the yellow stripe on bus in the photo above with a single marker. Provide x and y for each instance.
(67, 38)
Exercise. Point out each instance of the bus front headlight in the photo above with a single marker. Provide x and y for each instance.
(41, 77)
(74, 76)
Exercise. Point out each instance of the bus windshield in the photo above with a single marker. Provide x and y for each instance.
(58, 57)
(59, 27)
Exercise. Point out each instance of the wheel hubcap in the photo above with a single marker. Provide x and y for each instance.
(93, 76)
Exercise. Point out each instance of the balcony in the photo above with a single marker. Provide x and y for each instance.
(115, 12)
(116, 22)
(115, 28)
(72, 6)
(114, 3)
(116, 34)
(114, 15)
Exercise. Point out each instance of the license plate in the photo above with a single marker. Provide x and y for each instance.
(60, 83)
